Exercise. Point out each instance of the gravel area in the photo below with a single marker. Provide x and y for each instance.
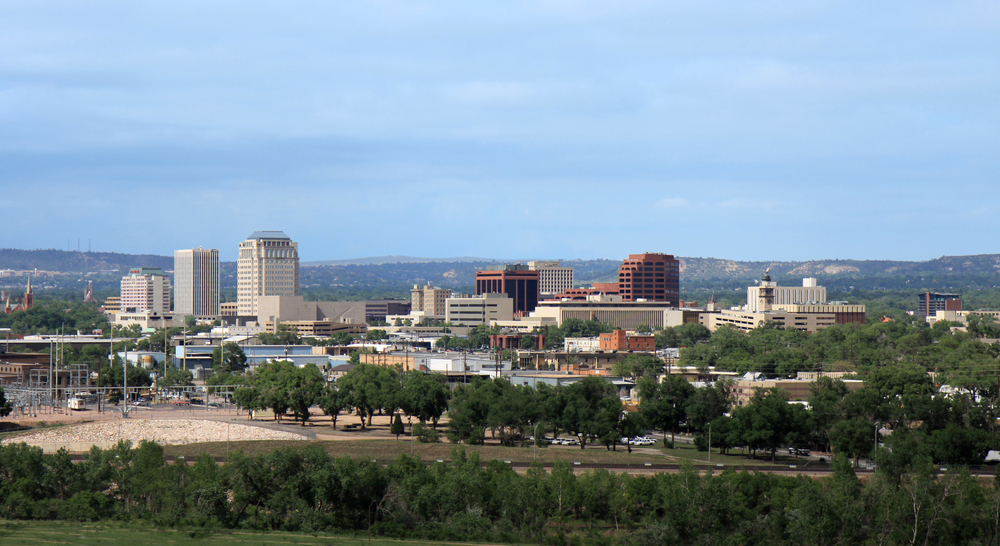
(162, 431)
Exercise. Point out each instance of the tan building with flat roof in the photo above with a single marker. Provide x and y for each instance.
(430, 300)
(553, 278)
(476, 310)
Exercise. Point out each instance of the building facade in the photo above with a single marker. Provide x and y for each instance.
(650, 277)
(620, 340)
(552, 277)
(428, 299)
(932, 302)
(268, 265)
(196, 282)
(479, 310)
(783, 295)
(377, 310)
(517, 281)
(145, 289)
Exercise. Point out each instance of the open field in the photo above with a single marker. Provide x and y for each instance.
(102, 534)
(388, 450)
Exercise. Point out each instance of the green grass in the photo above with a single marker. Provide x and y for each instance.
(104, 534)
(387, 450)
(736, 459)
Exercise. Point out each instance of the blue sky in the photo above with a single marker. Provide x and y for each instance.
(748, 130)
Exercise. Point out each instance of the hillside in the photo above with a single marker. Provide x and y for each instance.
(78, 262)
(347, 280)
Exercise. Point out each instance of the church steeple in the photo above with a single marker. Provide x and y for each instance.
(29, 297)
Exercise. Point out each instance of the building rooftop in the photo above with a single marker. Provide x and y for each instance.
(269, 235)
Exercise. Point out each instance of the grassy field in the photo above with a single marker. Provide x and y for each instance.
(688, 452)
(388, 450)
(105, 534)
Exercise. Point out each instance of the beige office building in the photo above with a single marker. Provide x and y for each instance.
(552, 277)
(476, 310)
(430, 300)
(196, 282)
(785, 295)
(268, 265)
(145, 289)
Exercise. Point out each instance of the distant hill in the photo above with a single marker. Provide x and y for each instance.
(396, 274)
(79, 262)
(378, 260)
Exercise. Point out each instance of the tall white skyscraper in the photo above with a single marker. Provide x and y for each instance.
(196, 282)
(268, 266)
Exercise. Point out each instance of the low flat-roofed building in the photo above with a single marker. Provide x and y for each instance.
(281, 309)
(582, 344)
(806, 317)
(610, 310)
(149, 319)
(318, 328)
(622, 340)
(483, 309)
(797, 389)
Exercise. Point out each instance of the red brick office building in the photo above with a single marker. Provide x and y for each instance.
(652, 277)
(517, 281)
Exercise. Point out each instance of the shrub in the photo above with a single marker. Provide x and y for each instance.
(425, 434)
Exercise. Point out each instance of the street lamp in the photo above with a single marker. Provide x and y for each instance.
(875, 450)
(534, 448)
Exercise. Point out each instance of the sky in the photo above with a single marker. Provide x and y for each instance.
(784, 130)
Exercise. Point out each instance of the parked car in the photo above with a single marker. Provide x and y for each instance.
(181, 402)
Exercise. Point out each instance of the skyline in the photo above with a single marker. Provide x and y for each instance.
(768, 131)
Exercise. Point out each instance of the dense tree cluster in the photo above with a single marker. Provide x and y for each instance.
(589, 409)
(49, 317)
(305, 490)
(960, 355)
(367, 389)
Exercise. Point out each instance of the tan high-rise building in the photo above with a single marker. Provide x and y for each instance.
(196, 282)
(268, 266)
(552, 277)
(145, 289)
(429, 299)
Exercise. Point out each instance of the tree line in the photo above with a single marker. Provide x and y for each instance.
(367, 389)
(306, 490)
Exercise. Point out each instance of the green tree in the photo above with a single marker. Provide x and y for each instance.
(235, 359)
(5, 407)
(708, 404)
(175, 377)
(284, 335)
(585, 400)
(768, 421)
(826, 406)
(376, 335)
(371, 388)
(664, 405)
(635, 366)
(424, 396)
(305, 388)
(397, 426)
(333, 401)
(852, 438)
